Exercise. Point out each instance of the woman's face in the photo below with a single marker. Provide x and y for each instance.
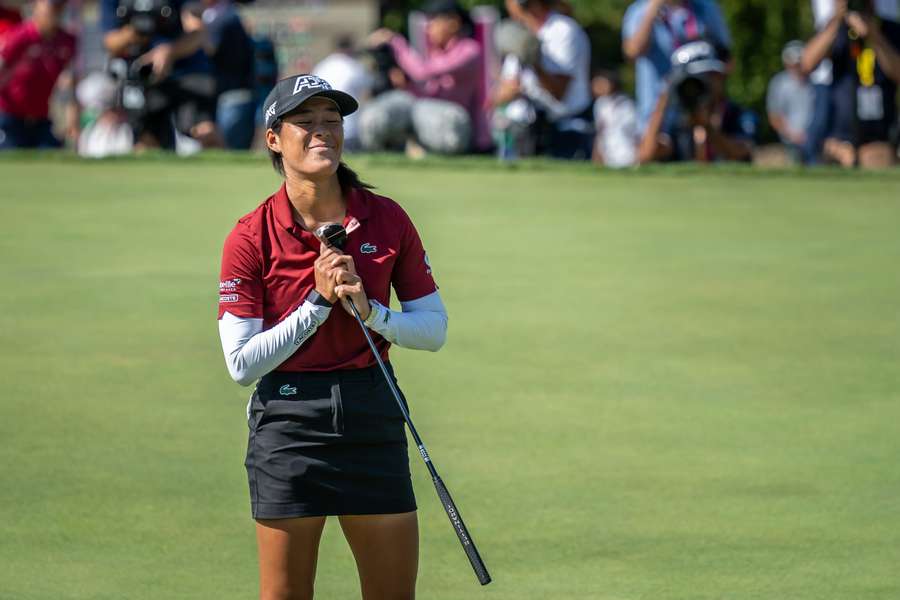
(441, 29)
(311, 139)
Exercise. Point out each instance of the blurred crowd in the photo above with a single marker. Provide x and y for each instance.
(185, 75)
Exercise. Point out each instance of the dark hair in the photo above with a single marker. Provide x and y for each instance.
(347, 177)
(453, 9)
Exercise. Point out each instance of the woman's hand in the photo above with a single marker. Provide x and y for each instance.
(325, 272)
(349, 287)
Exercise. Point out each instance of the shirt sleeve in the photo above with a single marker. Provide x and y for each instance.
(632, 19)
(240, 281)
(563, 53)
(511, 68)
(251, 352)
(411, 277)
(773, 96)
(421, 325)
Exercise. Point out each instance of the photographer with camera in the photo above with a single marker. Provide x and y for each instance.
(694, 119)
(166, 78)
(862, 40)
(653, 29)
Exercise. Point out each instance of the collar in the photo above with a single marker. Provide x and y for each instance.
(358, 207)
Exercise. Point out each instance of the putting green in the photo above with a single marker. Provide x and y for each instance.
(670, 385)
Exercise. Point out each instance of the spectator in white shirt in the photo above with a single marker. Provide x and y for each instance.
(345, 72)
(556, 81)
(615, 121)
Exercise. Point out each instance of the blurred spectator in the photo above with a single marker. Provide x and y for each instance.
(790, 103)
(9, 18)
(232, 53)
(265, 69)
(694, 119)
(345, 72)
(552, 75)
(820, 76)
(865, 56)
(653, 29)
(32, 57)
(107, 131)
(167, 80)
(435, 95)
(615, 121)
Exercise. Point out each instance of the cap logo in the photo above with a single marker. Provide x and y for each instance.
(694, 51)
(307, 82)
(270, 112)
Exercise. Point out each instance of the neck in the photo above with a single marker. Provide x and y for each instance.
(315, 201)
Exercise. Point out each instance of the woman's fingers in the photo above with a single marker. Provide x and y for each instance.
(347, 289)
(343, 259)
(343, 276)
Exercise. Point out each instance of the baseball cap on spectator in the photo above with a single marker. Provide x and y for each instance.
(695, 58)
(792, 52)
(291, 92)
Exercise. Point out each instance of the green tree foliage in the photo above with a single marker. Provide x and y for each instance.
(759, 28)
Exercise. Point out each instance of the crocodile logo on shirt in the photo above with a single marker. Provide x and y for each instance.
(368, 248)
(287, 390)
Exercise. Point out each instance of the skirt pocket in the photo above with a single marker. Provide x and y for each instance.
(311, 416)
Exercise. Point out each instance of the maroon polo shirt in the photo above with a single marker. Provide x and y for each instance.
(268, 271)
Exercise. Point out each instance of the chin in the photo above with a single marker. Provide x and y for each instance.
(321, 167)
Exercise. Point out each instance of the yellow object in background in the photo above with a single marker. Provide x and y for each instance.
(865, 67)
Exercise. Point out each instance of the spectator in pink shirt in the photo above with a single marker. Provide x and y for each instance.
(435, 95)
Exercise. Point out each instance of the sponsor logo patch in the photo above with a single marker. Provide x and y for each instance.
(228, 298)
(368, 248)
(427, 265)
(308, 82)
(287, 390)
(229, 284)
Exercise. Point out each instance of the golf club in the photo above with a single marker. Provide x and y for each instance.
(334, 234)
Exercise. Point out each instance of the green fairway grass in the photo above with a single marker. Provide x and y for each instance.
(672, 385)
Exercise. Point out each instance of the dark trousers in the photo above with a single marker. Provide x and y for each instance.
(820, 125)
(26, 133)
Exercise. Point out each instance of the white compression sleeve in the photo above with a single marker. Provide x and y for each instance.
(422, 325)
(251, 352)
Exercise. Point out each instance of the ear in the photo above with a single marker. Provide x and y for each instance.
(273, 141)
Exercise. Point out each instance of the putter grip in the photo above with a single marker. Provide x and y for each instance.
(461, 532)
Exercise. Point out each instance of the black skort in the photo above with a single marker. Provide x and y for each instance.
(327, 443)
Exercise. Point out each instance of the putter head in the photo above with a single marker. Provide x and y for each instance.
(332, 234)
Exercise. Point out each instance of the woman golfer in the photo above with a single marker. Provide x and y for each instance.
(326, 435)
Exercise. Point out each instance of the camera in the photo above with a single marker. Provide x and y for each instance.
(132, 80)
(860, 6)
(692, 91)
(149, 17)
